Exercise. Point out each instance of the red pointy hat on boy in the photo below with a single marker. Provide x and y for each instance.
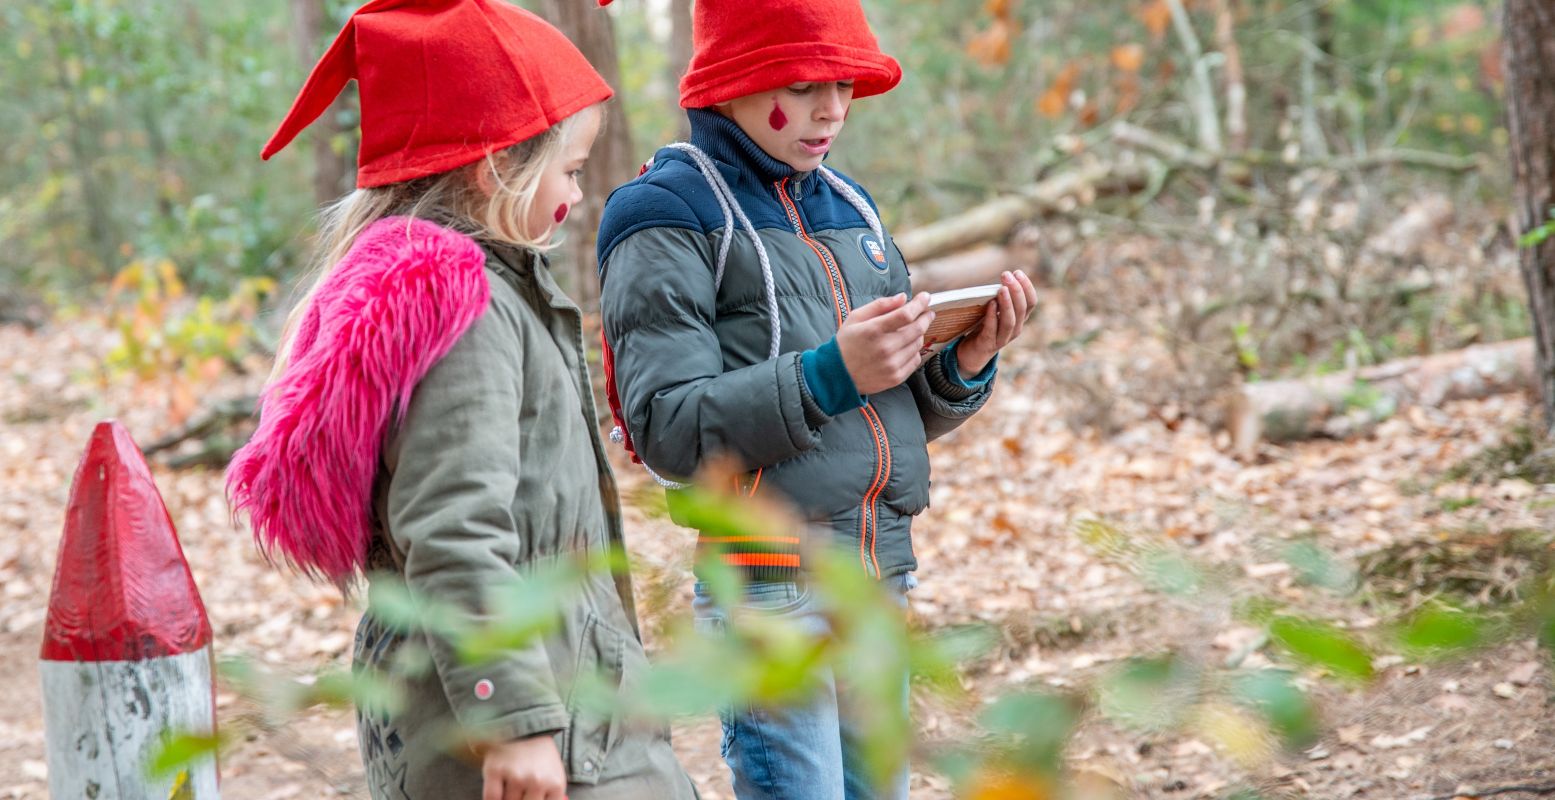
(743, 47)
(443, 83)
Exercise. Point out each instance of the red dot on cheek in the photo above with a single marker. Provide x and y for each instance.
(561, 212)
(777, 119)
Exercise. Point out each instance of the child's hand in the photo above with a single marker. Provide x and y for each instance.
(523, 768)
(880, 341)
(1002, 322)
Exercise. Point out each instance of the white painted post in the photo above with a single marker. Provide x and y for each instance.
(126, 655)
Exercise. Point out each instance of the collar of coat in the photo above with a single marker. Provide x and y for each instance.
(393, 306)
(727, 142)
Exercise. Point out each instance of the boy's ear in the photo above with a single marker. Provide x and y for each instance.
(723, 108)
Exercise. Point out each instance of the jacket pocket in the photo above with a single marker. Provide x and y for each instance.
(593, 699)
(909, 500)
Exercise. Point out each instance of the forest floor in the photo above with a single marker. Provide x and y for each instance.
(997, 546)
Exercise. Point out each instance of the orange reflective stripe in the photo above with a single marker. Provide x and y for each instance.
(883, 474)
(761, 560)
(734, 539)
(839, 288)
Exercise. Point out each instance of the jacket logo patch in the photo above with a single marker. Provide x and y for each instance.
(875, 252)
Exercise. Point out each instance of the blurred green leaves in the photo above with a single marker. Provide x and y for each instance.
(1323, 645)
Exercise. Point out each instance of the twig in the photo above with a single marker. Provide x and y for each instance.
(1208, 117)
(216, 417)
(1163, 146)
(1312, 141)
(1182, 155)
(1236, 86)
(1545, 788)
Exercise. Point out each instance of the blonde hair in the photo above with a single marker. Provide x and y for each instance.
(454, 199)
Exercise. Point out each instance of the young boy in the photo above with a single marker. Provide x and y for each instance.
(754, 307)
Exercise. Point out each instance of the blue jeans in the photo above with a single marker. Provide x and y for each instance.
(803, 751)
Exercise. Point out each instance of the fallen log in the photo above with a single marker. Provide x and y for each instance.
(993, 220)
(1345, 404)
(979, 265)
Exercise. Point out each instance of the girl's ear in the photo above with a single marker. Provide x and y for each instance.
(484, 180)
(723, 108)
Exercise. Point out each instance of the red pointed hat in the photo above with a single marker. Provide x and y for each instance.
(443, 83)
(743, 47)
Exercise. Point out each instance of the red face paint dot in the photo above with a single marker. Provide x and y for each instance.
(777, 119)
(561, 212)
(483, 689)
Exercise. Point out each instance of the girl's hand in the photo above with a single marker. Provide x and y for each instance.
(524, 769)
(1002, 322)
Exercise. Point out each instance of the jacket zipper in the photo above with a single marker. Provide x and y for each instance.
(839, 291)
(868, 518)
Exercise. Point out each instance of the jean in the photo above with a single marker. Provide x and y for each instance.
(805, 750)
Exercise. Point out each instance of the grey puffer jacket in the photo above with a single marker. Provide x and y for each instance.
(696, 369)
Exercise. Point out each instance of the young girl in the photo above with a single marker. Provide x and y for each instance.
(430, 413)
(754, 307)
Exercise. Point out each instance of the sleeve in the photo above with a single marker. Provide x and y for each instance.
(456, 458)
(658, 304)
(944, 399)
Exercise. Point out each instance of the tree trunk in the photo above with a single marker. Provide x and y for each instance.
(611, 163)
(680, 53)
(1349, 403)
(331, 169)
(1530, 104)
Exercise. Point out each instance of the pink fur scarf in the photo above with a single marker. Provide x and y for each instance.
(404, 293)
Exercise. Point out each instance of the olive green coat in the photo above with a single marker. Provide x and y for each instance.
(498, 468)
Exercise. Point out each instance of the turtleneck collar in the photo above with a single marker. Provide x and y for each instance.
(725, 141)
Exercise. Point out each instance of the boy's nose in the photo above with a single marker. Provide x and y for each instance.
(832, 103)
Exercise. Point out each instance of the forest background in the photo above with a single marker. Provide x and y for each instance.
(1217, 197)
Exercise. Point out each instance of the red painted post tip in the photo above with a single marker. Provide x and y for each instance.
(122, 589)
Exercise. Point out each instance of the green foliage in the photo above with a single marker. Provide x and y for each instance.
(1317, 567)
(1274, 694)
(1438, 631)
(765, 659)
(1536, 237)
(162, 333)
(134, 132)
(1323, 645)
(1152, 694)
(175, 752)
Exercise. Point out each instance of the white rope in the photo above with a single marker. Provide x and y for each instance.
(856, 200)
(730, 206)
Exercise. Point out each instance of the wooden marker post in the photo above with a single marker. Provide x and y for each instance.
(127, 646)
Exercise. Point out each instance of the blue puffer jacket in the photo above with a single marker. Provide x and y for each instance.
(718, 354)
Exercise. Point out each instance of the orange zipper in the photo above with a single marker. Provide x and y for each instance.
(868, 518)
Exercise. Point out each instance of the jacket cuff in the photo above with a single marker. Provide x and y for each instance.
(813, 415)
(519, 724)
(945, 376)
(827, 380)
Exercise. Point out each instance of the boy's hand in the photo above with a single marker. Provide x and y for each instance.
(1002, 322)
(523, 769)
(880, 341)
